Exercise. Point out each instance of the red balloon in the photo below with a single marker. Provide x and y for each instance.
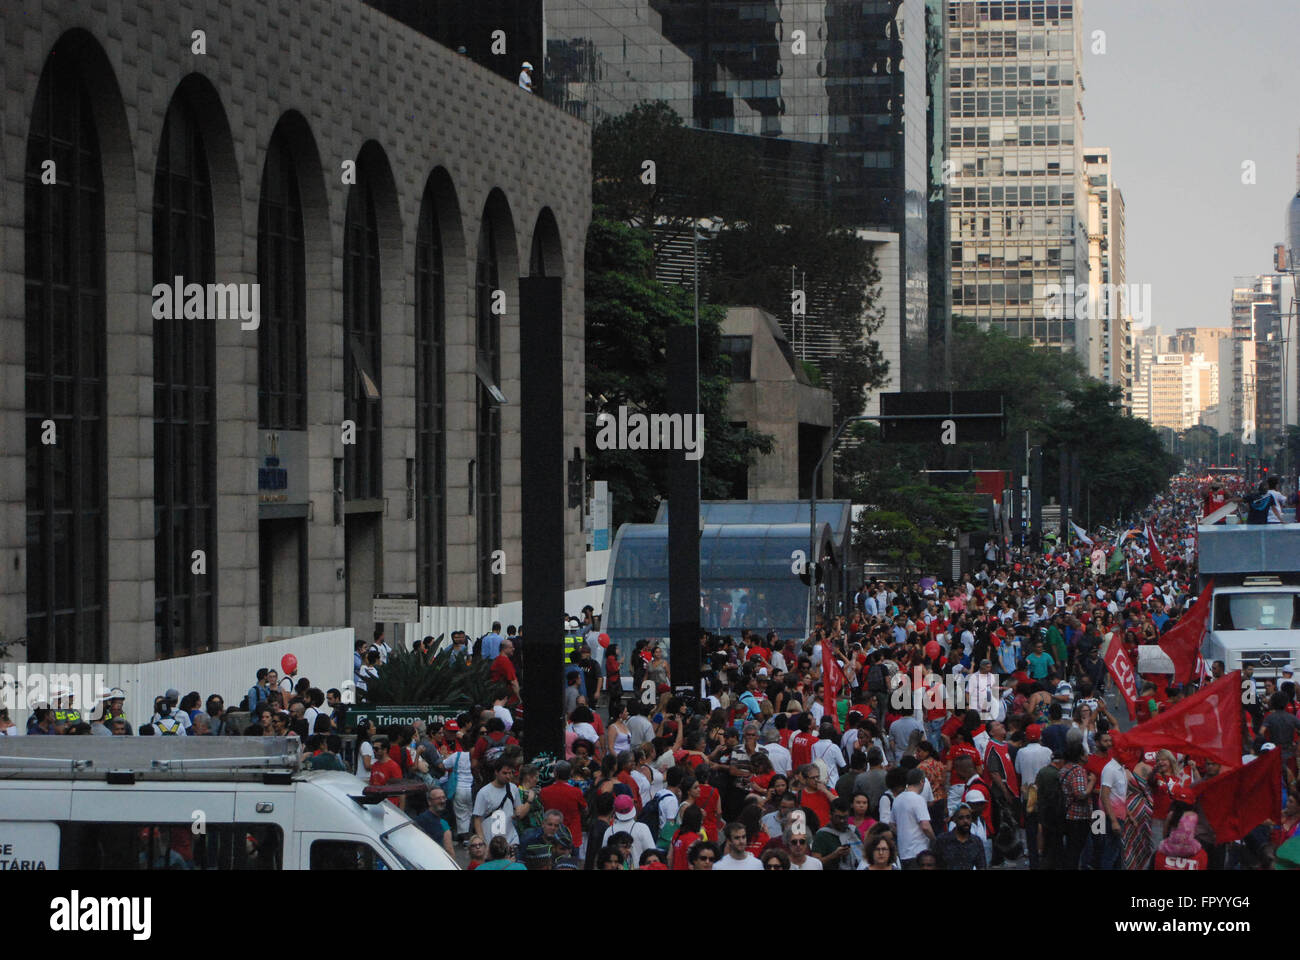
(288, 663)
(604, 639)
(1147, 590)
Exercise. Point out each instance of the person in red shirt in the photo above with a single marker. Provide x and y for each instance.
(567, 799)
(801, 743)
(815, 795)
(383, 770)
(687, 835)
(709, 800)
(1181, 850)
(503, 671)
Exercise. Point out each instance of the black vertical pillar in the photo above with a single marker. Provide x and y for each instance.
(683, 518)
(541, 404)
(1036, 497)
(1064, 491)
(1017, 511)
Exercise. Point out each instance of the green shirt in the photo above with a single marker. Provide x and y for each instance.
(1040, 664)
(502, 864)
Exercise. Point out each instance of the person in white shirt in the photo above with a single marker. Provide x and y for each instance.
(1114, 796)
(911, 819)
(778, 754)
(499, 710)
(799, 845)
(828, 751)
(735, 856)
(526, 77)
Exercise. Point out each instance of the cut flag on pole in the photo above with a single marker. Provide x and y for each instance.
(832, 683)
(1081, 533)
(1121, 668)
(1157, 558)
(1236, 803)
(1206, 724)
(1116, 561)
(1183, 640)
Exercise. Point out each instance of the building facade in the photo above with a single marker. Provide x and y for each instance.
(855, 79)
(1109, 293)
(1018, 201)
(193, 474)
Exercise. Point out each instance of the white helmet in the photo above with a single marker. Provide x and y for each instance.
(527, 65)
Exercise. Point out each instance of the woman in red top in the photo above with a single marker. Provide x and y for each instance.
(686, 836)
(710, 803)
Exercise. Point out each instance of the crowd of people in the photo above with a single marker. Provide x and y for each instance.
(968, 726)
(932, 725)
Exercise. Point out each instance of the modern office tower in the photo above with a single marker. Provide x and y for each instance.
(1109, 293)
(1019, 198)
(1145, 349)
(1266, 365)
(1198, 340)
(1173, 394)
(847, 78)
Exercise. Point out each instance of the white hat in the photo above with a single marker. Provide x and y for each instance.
(1288, 669)
(527, 65)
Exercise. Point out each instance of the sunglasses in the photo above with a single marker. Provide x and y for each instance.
(798, 842)
(775, 865)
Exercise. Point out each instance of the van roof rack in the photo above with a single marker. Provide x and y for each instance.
(129, 759)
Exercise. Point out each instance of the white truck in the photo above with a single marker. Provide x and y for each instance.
(1255, 614)
(194, 803)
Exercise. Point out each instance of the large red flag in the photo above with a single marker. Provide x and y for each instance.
(1236, 803)
(1183, 641)
(1206, 724)
(832, 683)
(1121, 668)
(1157, 558)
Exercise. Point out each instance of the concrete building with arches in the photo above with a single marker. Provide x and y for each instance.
(189, 479)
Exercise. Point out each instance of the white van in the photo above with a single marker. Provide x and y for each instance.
(194, 803)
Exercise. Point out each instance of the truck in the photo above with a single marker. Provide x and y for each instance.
(1255, 610)
(195, 803)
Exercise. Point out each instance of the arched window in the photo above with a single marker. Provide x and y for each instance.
(487, 493)
(184, 359)
(281, 274)
(362, 302)
(430, 406)
(65, 365)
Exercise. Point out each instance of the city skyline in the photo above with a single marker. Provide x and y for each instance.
(1161, 49)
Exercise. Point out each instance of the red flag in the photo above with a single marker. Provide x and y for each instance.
(832, 683)
(1206, 724)
(1183, 641)
(1237, 802)
(1157, 558)
(1121, 668)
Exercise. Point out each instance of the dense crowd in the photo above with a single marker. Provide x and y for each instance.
(933, 725)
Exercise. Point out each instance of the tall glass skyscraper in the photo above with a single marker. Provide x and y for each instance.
(850, 77)
(1019, 197)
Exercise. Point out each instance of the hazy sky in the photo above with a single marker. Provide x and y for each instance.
(1186, 91)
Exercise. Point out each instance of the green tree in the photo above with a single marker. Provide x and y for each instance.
(629, 314)
(699, 175)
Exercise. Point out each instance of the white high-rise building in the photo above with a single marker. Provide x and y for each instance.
(1107, 274)
(1018, 204)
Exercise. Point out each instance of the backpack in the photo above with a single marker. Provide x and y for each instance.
(650, 816)
(167, 726)
(1259, 508)
(495, 749)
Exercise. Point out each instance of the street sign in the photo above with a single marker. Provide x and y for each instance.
(396, 608)
(387, 716)
(961, 416)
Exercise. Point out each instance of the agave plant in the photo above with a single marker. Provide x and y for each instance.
(407, 678)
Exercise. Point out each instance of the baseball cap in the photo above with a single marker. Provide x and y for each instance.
(623, 804)
(1034, 732)
(451, 726)
(173, 694)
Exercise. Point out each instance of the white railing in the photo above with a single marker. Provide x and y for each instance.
(324, 657)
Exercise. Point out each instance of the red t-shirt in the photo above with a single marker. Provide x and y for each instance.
(567, 799)
(819, 804)
(1198, 862)
(709, 807)
(503, 671)
(381, 772)
(682, 844)
(801, 749)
